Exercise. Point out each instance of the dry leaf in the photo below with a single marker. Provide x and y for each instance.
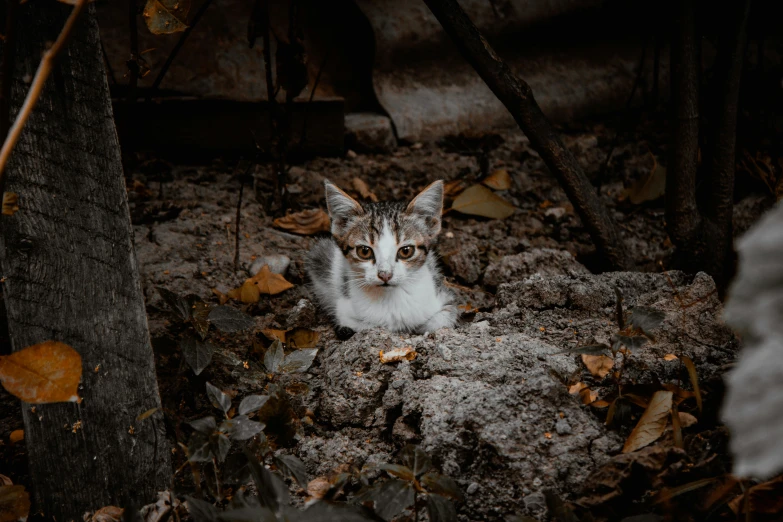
(166, 16)
(599, 365)
(398, 354)
(649, 187)
(45, 372)
(10, 203)
(318, 487)
(301, 338)
(498, 180)
(107, 514)
(247, 293)
(576, 388)
(588, 396)
(146, 414)
(670, 357)
(5, 481)
(599, 404)
(222, 298)
(306, 222)
(14, 503)
(652, 424)
(454, 187)
(16, 436)
(273, 334)
(364, 191)
(478, 200)
(694, 379)
(270, 283)
(686, 419)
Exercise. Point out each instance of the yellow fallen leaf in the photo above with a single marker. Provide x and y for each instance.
(498, 180)
(686, 419)
(669, 357)
(107, 514)
(299, 338)
(576, 388)
(652, 423)
(454, 187)
(398, 354)
(598, 365)
(10, 203)
(364, 191)
(273, 334)
(42, 373)
(588, 396)
(269, 282)
(222, 298)
(649, 187)
(478, 200)
(166, 16)
(599, 404)
(14, 503)
(306, 222)
(16, 436)
(146, 414)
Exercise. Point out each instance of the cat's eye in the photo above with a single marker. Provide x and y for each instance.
(406, 252)
(364, 252)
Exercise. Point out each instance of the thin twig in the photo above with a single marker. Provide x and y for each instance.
(45, 67)
(133, 63)
(173, 54)
(8, 67)
(303, 139)
(239, 217)
(107, 63)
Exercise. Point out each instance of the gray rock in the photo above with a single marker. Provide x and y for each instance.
(484, 400)
(465, 263)
(303, 314)
(369, 132)
(543, 261)
(278, 264)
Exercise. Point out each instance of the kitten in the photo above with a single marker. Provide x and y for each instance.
(379, 268)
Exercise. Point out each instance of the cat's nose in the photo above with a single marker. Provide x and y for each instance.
(384, 276)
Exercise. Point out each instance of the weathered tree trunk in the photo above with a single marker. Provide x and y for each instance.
(518, 98)
(704, 237)
(71, 275)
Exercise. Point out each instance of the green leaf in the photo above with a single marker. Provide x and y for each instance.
(218, 399)
(230, 320)
(248, 513)
(273, 357)
(390, 498)
(293, 468)
(442, 485)
(440, 509)
(201, 511)
(199, 311)
(478, 200)
(236, 470)
(694, 378)
(403, 472)
(199, 448)
(272, 491)
(631, 342)
(298, 361)
(206, 425)
(646, 319)
(252, 403)
(415, 458)
(327, 512)
(197, 354)
(220, 446)
(242, 428)
(179, 305)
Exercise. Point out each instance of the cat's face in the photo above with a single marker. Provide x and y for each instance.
(385, 243)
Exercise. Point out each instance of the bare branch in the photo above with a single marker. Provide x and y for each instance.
(47, 63)
(517, 96)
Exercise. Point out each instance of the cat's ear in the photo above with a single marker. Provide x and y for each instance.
(429, 205)
(342, 207)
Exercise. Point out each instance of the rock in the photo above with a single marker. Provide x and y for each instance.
(369, 132)
(278, 264)
(543, 261)
(303, 314)
(556, 213)
(484, 399)
(465, 263)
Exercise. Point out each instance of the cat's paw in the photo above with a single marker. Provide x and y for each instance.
(344, 333)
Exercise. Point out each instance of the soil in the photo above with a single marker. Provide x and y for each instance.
(184, 220)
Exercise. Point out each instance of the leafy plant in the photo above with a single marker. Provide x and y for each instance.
(190, 309)
(410, 484)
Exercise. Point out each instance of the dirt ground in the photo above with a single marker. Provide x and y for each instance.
(184, 220)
